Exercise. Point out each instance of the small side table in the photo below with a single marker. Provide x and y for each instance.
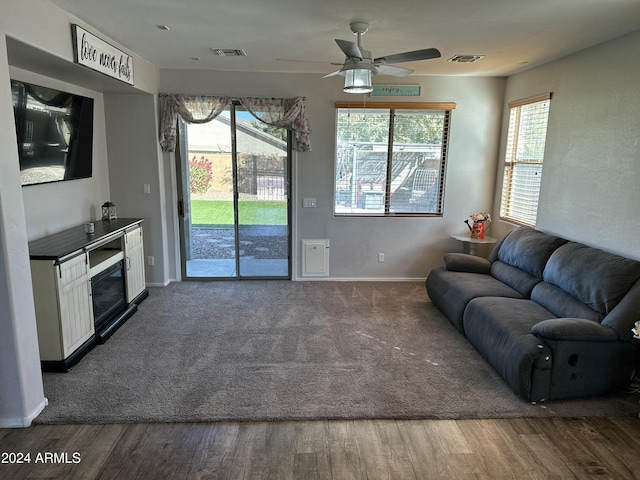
(473, 242)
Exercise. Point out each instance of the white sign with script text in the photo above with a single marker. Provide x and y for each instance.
(396, 91)
(98, 55)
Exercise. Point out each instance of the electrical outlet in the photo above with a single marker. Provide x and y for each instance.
(151, 261)
(381, 257)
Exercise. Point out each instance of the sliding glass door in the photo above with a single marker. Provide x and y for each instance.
(234, 198)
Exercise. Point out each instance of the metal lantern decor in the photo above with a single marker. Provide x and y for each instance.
(109, 211)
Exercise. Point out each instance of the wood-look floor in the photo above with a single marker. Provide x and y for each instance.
(607, 448)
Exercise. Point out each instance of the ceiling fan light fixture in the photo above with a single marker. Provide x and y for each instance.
(360, 65)
(358, 81)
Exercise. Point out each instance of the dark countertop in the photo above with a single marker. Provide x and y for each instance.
(53, 247)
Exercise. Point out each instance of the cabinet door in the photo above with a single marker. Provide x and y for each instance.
(134, 253)
(76, 306)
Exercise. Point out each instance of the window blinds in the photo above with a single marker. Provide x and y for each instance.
(524, 158)
(391, 160)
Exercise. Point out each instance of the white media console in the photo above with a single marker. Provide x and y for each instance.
(85, 286)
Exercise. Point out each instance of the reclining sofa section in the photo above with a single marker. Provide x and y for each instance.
(552, 317)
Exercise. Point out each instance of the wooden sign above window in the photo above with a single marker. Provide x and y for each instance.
(100, 56)
(396, 91)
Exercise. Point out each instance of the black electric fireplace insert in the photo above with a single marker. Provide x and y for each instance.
(109, 296)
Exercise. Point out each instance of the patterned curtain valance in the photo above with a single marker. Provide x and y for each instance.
(192, 109)
(289, 113)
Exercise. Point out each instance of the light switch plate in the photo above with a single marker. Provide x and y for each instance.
(309, 202)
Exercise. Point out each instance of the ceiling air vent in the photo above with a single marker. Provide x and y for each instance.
(465, 58)
(229, 52)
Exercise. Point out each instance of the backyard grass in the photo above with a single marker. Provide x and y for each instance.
(220, 212)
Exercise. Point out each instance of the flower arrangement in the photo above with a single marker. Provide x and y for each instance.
(479, 219)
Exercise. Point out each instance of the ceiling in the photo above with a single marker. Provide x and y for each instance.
(512, 34)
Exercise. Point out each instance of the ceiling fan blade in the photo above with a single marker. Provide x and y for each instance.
(333, 74)
(425, 54)
(350, 49)
(395, 71)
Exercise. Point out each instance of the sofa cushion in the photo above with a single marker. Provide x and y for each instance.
(561, 304)
(463, 262)
(500, 329)
(596, 278)
(529, 250)
(517, 279)
(450, 292)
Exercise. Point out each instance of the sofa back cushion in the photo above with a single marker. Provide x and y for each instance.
(521, 281)
(529, 250)
(597, 279)
(561, 304)
(520, 258)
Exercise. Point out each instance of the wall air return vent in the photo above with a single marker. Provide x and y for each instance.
(315, 258)
(465, 58)
(229, 52)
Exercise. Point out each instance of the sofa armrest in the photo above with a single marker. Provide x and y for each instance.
(463, 262)
(574, 329)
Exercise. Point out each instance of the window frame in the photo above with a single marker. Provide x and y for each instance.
(447, 107)
(512, 161)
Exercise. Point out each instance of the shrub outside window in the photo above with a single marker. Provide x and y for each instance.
(391, 158)
(524, 158)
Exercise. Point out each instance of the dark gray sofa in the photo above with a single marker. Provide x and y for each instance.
(552, 317)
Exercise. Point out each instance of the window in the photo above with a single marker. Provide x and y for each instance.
(391, 158)
(523, 159)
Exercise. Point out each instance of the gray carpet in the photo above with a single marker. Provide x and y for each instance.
(280, 350)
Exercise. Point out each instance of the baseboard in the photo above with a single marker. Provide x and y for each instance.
(359, 279)
(24, 422)
(331, 279)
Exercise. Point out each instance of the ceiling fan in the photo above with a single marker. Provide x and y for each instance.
(360, 66)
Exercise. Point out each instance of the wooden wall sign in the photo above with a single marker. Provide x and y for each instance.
(396, 91)
(100, 56)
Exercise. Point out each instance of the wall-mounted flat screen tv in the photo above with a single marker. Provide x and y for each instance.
(55, 133)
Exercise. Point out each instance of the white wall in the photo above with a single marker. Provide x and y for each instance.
(591, 176)
(21, 391)
(134, 160)
(412, 246)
